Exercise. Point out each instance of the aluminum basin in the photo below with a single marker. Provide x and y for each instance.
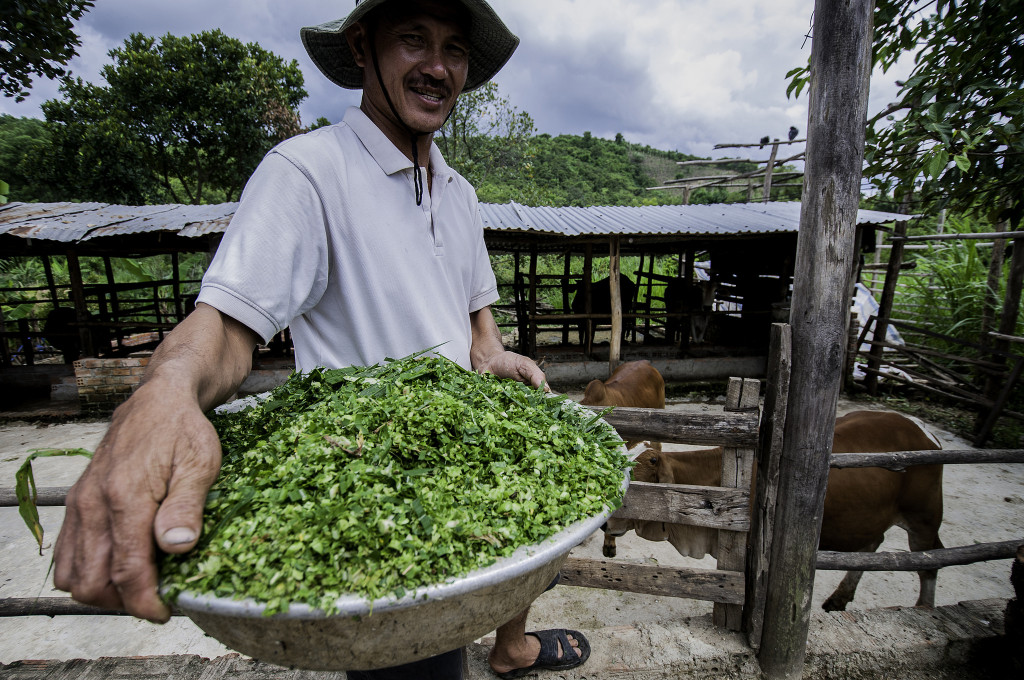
(389, 631)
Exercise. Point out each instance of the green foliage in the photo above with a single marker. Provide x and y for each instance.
(177, 118)
(23, 148)
(494, 146)
(955, 135)
(354, 480)
(38, 39)
(25, 488)
(27, 272)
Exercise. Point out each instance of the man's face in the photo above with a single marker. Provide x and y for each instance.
(423, 48)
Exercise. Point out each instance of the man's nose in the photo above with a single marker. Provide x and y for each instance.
(434, 64)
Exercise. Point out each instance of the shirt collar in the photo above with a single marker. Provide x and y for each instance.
(388, 156)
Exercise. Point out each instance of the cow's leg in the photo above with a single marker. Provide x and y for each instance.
(928, 577)
(608, 549)
(612, 528)
(847, 588)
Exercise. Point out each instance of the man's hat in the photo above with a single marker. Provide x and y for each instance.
(491, 45)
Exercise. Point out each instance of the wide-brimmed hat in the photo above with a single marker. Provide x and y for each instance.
(491, 45)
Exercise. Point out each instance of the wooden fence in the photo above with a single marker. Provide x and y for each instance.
(739, 585)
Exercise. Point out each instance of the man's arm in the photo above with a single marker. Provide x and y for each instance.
(147, 482)
(488, 354)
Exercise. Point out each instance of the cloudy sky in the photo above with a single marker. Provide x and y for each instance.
(675, 74)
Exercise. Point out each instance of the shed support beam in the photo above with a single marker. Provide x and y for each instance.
(840, 68)
(615, 344)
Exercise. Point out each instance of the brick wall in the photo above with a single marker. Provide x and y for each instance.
(104, 383)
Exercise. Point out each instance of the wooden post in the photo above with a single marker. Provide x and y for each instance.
(995, 273)
(5, 351)
(520, 301)
(588, 304)
(768, 174)
(566, 309)
(892, 275)
(750, 191)
(685, 324)
(737, 467)
(769, 454)
(840, 68)
(851, 354)
(615, 344)
(532, 340)
(176, 288)
(115, 305)
(81, 307)
(51, 283)
(995, 389)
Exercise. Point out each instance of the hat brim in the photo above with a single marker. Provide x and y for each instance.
(491, 45)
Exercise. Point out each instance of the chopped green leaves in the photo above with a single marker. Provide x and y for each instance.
(379, 480)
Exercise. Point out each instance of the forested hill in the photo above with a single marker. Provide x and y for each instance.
(574, 170)
(566, 170)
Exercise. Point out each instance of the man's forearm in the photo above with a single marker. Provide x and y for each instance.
(207, 355)
(486, 338)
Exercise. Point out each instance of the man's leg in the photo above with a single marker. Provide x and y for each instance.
(513, 648)
(447, 666)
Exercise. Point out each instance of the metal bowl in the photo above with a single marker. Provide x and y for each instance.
(365, 635)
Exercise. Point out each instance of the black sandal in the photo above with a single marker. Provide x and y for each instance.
(548, 659)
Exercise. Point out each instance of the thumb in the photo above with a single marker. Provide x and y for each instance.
(179, 520)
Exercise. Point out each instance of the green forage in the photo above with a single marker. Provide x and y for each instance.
(379, 480)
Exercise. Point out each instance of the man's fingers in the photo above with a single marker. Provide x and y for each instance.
(179, 520)
(63, 553)
(133, 558)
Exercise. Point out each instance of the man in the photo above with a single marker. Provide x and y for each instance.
(364, 242)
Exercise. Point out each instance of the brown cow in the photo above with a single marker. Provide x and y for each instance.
(860, 503)
(634, 384)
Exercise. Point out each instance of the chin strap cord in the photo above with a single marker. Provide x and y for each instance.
(417, 178)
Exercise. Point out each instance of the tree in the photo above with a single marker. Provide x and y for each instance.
(955, 135)
(179, 119)
(37, 38)
(23, 143)
(486, 134)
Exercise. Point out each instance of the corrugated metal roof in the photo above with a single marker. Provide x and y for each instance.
(76, 222)
(688, 220)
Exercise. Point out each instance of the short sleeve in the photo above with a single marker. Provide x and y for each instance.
(484, 286)
(272, 264)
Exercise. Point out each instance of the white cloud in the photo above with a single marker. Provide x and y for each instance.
(676, 74)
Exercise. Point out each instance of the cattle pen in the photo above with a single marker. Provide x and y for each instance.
(764, 589)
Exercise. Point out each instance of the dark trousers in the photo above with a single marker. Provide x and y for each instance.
(447, 666)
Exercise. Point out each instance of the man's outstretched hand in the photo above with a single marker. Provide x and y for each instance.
(144, 488)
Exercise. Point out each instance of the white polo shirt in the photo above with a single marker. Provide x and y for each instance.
(328, 240)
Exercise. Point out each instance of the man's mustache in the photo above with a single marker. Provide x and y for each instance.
(439, 87)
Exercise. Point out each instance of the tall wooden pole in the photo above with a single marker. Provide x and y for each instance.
(615, 344)
(767, 191)
(837, 112)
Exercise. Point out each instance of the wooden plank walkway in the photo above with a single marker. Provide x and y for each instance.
(966, 641)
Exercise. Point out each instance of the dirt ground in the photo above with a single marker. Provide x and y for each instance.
(983, 503)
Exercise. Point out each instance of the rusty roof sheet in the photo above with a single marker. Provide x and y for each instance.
(76, 222)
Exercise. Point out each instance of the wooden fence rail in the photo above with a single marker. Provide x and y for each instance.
(737, 429)
(915, 561)
(899, 460)
(712, 507)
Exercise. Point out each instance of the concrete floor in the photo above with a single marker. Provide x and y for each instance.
(634, 636)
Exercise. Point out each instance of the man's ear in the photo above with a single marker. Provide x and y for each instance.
(357, 43)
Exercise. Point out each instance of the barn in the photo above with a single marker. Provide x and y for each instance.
(704, 282)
